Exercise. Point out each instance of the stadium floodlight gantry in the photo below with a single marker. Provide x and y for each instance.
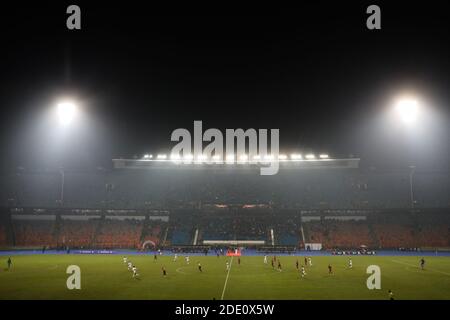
(231, 158)
(309, 160)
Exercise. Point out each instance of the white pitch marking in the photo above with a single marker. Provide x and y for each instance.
(179, 270)
(410, 264)
(226, 279)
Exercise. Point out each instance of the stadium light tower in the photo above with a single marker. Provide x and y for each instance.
(408, 109)
(62, 186)
(411, 190)
(66, 111)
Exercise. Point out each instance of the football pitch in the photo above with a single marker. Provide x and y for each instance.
(107, 277)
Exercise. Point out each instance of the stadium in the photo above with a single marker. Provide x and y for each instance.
(330, 213)
(95, 204)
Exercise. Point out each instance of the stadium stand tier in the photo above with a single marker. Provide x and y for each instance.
(3, 239)
(342, 208)
(119, 234)
(385, 229)
(181, 188)
(33, 232)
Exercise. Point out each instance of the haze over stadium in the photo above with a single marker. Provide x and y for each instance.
(91, 172)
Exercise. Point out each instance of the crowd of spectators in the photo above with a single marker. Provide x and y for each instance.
(186, 187)
(3, 236)
(119, 234)
(186, 227)
(33, 233)
(77, 233)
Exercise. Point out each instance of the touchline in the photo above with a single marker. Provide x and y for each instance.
(188, 149)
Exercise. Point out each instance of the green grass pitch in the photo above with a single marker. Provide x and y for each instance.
(107, 277)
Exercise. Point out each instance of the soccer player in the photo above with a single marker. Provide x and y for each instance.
(296, 264)
(279, 265)
(164, 272)
(9, 263)
(175, 257)
(330, 269)
(135, 272)
(391, 295)
(239, 260)
(187, 259)
(310, 261)
(228, 266)
(130, 266)
(350, 263)
(422, 263)
(125, 260)
(306, 261)
(273, 264)
(200, 267)
(303, 272)
(155, 257)
(265, 259)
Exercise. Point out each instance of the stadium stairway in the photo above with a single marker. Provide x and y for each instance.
(195, 237)
(57, 228)
(145, 229)
(302, 235)
(373, 235)
(10, 237)
(97, 230)
(416, 229)
(166, 232)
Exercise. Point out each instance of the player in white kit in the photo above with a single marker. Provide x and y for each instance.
(135, 272)
(265, 259)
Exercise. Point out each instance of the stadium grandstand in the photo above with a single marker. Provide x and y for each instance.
(326, 208)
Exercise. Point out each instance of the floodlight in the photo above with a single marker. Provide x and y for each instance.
(282, 157)
(296, 156)
(161, 157)
(201, 158)
(257, 157)
(216, 157)
(310, 156)
(268, 157)
(230, 158)
(66, 112)
(188, 158)
(323, 156)
(243, 157)
(407, 109)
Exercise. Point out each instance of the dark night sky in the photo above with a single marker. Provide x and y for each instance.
(314, 71)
